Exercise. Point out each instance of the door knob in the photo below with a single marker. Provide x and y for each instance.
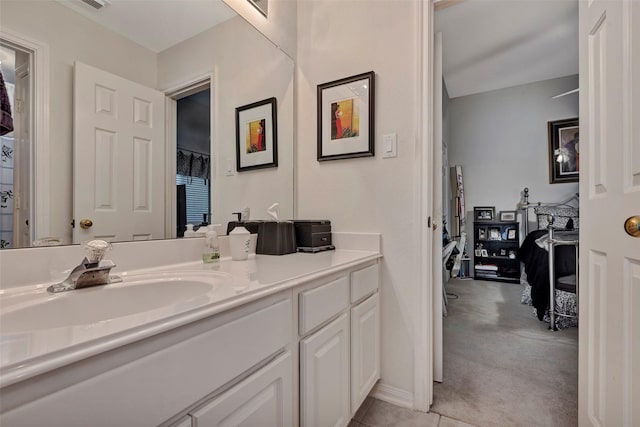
(85, 223)
(632, 226)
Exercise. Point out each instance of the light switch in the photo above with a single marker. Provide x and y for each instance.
(389, 145)
(229, 168)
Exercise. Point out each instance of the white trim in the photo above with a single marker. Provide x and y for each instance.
(170, 192)
(40, 167)
(423, 333)
(436, 203)
(393, 395)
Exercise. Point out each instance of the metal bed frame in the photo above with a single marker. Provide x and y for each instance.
(552, 241)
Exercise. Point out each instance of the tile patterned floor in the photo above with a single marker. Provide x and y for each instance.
(376, 413)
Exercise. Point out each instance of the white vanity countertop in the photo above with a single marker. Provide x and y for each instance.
(29, 350)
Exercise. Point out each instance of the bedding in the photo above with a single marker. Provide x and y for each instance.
(536, 267)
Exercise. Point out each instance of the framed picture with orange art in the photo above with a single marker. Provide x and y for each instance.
(346, 118)
(257, 136)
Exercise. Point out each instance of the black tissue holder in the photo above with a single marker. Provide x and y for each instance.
(276, 238)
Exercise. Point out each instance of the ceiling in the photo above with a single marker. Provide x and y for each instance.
(158, 24)
(493, 44)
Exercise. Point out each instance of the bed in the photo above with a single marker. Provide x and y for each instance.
(550, 258)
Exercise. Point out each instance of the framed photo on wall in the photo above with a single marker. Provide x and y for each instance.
(564, 151)
(256, 136)
(346, 118)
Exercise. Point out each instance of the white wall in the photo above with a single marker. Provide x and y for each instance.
(500, 139)
(72, 37)
(247, 68)
(341, 39)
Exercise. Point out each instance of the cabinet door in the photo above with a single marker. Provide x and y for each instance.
(324, 376)
(365, 349)
(265, 399)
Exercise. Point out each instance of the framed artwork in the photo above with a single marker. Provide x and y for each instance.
(346, 118)
(511, 234)
(507, 215)
(484, 252)
(256, 136)
(564, 151)
(484, 213)
(261, 5)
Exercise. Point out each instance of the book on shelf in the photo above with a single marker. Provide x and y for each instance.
(486, 267)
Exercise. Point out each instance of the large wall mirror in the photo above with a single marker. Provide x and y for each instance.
(176, 73)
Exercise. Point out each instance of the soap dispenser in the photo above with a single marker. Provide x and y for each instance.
(211, 250)
(189, 232)
(239, 241)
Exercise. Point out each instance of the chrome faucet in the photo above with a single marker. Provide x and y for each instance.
(92, 271)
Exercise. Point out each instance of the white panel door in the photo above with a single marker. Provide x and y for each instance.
(324, 376)
(119, 157)
(365, 349)
(265, 399)
(609, 336)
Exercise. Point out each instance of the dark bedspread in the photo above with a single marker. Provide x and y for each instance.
(536, 265)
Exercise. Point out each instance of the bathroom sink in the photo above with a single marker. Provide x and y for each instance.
(146, 297)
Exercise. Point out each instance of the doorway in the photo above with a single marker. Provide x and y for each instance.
(191, 111)
(491, 341)
(16, 159)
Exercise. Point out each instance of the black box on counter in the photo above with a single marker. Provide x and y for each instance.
(313, 235)
(276, 238)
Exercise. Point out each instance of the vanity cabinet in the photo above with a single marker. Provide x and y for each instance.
(306, 355)
(339, 347)
(157, 380)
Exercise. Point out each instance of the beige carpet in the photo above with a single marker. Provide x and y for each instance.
(503, 367)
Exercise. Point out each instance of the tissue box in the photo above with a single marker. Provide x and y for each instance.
(276, 238)
(313, 235)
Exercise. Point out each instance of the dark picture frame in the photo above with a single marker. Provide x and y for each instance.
(261, 5)
(507, 215)
(484, 213)
(257, 135)
(564, 151)
(346, 118)
(511, 234)
(482, 233)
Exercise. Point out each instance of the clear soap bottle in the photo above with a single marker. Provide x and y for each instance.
(211, 250)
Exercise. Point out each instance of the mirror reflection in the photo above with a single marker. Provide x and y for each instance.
(124, 119)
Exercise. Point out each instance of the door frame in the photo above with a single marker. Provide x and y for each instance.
(424, 330)
(38, 52)
(172, 94)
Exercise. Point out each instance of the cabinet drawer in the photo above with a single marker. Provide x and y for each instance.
(364, 282)
(320, 304)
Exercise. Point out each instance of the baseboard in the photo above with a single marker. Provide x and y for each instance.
(393, 395)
